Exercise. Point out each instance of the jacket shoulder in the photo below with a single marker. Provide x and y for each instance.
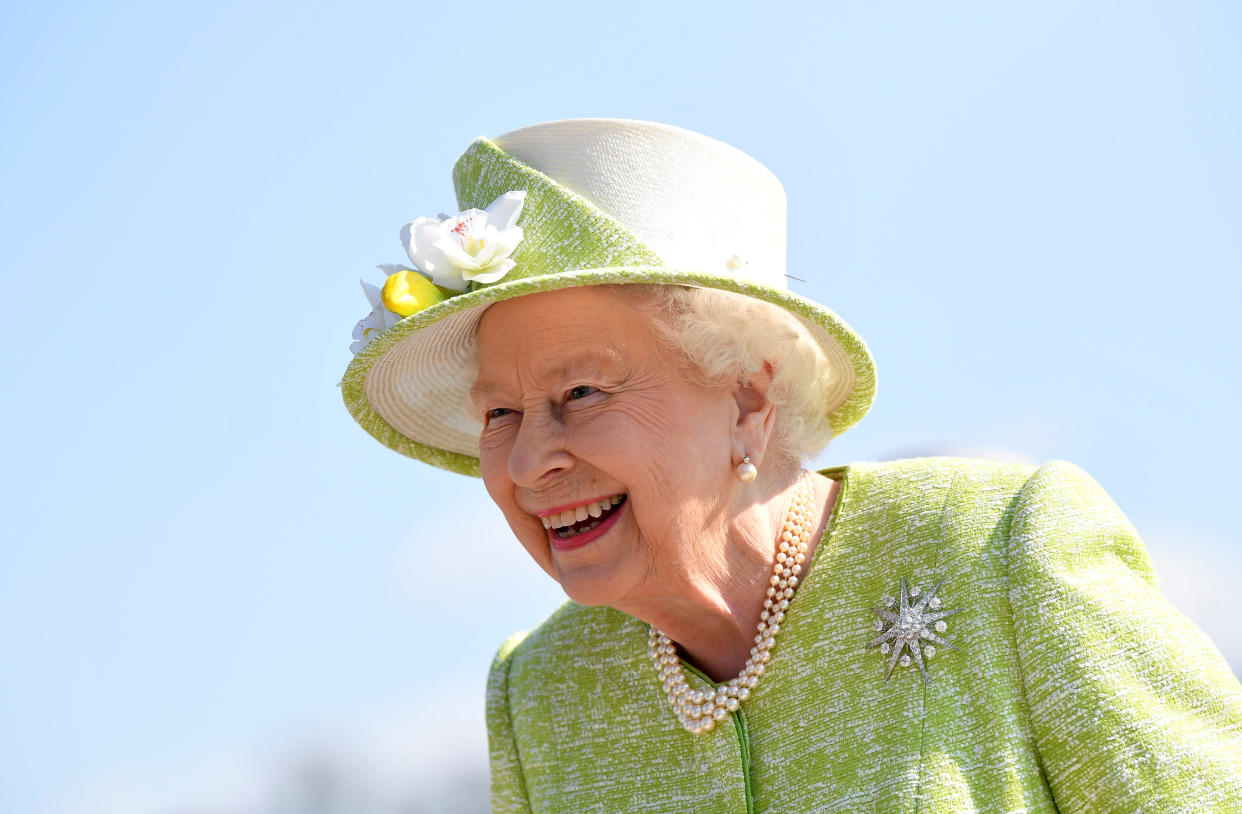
(936, 468)
(941, 489)
(573, 634)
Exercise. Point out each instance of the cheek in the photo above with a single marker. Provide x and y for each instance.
(494, 467)
(495, 475)
(661, 437)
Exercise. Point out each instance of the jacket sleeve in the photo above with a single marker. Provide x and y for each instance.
(1131, 706)
(508, 787)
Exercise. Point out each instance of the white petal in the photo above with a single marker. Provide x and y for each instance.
(450, 277)
(491, 241)
(357, 334)
(456, 255)
(463, 223)
(423, 237)
(404, 235)
(379, 320)
(373, 294)
(492, 273)
(506, 242)
(504, 211)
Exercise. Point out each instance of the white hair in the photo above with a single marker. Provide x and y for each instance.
(728, 337)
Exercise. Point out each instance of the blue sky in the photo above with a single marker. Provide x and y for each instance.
(211, 573)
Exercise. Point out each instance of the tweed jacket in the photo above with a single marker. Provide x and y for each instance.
(1077, 688)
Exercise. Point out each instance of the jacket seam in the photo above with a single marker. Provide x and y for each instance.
(1019, 502)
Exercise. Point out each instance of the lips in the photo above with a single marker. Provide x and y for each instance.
(582, 518)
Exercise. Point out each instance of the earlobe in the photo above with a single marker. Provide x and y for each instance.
(756, 417)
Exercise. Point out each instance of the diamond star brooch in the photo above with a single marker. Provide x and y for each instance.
(904, 626)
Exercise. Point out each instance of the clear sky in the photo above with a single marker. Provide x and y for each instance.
(218, 591)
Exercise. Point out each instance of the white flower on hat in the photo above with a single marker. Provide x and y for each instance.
(375, 323)
(471, 246)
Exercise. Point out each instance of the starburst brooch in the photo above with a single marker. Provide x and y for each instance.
(907, 624)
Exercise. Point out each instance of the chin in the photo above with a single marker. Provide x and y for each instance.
(591, 586)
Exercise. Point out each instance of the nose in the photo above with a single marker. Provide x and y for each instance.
(539, 450)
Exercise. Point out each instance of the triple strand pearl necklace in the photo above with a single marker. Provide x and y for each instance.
(700, 710)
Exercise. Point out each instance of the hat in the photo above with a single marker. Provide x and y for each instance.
(572, 203)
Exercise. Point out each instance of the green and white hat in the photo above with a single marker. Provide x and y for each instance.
(572, 203)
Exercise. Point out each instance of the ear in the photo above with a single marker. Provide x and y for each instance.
(756, 416)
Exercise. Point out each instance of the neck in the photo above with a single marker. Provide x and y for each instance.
(714, 613)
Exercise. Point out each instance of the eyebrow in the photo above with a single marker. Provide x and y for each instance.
(566, 369)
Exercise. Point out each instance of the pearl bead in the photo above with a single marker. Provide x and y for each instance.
(699, 710)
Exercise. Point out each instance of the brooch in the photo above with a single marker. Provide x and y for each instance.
(907, 624)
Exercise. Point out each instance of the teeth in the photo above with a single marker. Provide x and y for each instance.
(580, 513)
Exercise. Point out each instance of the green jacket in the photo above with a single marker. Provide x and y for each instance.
(1078, 687)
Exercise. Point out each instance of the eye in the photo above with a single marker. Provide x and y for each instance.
(495, 413)
(582, 391)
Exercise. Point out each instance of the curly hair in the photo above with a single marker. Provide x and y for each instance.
(728, 337)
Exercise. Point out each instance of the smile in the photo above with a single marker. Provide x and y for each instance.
(582, 518)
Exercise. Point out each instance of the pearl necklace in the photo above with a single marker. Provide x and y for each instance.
(699, 711)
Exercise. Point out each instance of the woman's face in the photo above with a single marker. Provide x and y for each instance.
(583, 408)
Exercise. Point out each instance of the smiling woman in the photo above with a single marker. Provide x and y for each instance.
(583, 398)
(741, 634)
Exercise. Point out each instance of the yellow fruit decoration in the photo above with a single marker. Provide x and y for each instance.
(408, 292)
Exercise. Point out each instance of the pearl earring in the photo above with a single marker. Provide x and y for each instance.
(745, 471)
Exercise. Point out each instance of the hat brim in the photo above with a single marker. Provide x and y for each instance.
(408, 388)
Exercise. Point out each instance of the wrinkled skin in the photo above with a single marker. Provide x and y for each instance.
(581, 401)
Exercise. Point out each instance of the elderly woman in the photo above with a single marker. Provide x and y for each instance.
(605, 336)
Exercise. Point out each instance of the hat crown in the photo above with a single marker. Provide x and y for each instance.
(694, 201)
(583, 202)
